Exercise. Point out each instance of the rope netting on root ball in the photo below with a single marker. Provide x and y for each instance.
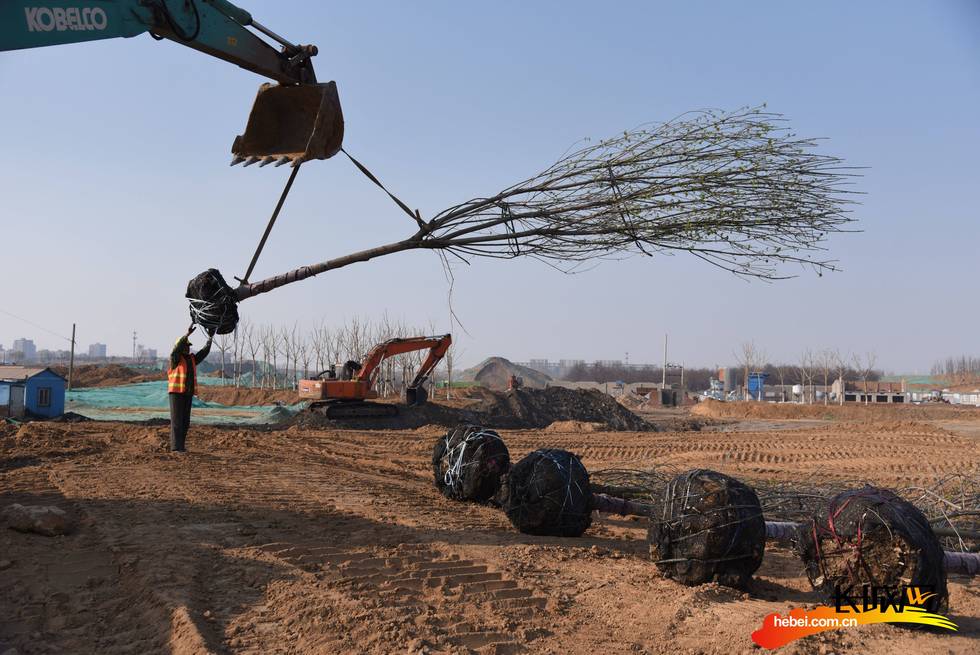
(213, 304)
(468, 463)
(871, 536)
(548, 493)
(710, 529)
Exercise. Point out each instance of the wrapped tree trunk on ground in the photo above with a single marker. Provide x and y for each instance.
(736, 189)
(548, 493)
(468, 463)
(710, 528)
(870, 536)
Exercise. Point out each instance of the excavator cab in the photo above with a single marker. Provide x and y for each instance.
(291, 124)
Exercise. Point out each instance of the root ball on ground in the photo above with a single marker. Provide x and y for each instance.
(548, 493)
(468, 463)
(870, 536)
(710, 529)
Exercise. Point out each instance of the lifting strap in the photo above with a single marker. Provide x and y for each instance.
(285, 192)
(272, 221)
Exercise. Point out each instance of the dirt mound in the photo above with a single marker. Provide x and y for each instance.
(534, 408)
(631, 400)
(757, 410)
(244, 396)
(521, 409)
(574, 427)
(494, 373)
(109, 375)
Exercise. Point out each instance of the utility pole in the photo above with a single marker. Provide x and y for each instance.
(663, 379)
(71, 360)
(134, 346)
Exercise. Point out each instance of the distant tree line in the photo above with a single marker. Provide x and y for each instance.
(274, 357)
(963, 366)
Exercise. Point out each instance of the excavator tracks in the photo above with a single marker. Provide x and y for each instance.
(338, 410)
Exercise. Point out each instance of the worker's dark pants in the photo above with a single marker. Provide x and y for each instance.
(180, 419)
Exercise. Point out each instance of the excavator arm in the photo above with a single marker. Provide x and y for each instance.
(294, 121)
(215, 27)
(437, 345)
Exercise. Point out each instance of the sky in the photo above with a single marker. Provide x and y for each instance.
(115, 187)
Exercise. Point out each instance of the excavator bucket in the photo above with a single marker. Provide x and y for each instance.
(291, 124)
(416, 396)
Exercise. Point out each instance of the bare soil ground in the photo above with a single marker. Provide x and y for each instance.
(230, 395)
(109, 375)
(750, 410)
(307, 540)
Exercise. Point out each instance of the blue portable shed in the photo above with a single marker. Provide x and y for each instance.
(43, 392)
(757, 383)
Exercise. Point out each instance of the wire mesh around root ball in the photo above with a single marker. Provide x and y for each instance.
(213, 304)
(468, 463)
(871, 536)
(548, 493)
(710, 529)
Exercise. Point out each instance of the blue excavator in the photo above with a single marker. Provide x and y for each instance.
(293, 120)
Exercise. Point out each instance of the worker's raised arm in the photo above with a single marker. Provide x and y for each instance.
(202, 354)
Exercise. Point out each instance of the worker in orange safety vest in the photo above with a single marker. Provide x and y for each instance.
(181, 382)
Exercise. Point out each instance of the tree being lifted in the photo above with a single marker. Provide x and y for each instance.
(736, 189)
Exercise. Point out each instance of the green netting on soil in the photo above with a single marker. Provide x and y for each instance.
(148, 400)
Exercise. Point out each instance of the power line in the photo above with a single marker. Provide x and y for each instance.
(40, 327)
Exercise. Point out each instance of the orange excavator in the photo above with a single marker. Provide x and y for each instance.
(348, 395)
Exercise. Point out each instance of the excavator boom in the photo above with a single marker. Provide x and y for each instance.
(437, 345)
(291, 122)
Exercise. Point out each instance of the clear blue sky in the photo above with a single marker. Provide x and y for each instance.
(116, 187)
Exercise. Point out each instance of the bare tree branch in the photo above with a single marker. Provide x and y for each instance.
(737, 189)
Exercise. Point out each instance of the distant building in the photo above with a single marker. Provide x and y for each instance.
(544, 366)
(97, 351)
(26, 348)
(46, 356)
(144, 354)
(31, 392)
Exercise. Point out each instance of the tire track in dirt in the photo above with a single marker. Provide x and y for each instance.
(427, 594)
(353, 576)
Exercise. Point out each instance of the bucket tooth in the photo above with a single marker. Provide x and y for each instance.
(283, 160)
(268, 160)
(252, 160)
(237, 160)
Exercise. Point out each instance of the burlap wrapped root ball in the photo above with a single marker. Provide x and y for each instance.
(870, 536)
(710, 529)
(468, 463)
(213, 304)
(548, 493)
